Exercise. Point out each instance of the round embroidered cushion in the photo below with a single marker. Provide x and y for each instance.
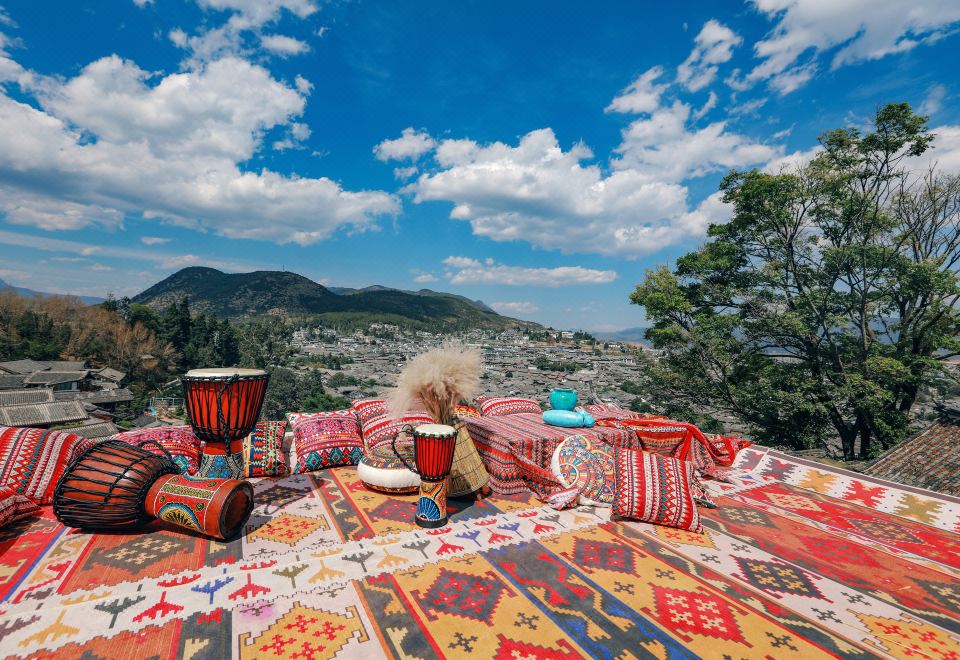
(381, 470)
(588, 466)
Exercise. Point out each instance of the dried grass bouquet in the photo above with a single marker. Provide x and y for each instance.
(438, 379)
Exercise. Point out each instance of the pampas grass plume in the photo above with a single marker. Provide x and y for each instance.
(438, 379)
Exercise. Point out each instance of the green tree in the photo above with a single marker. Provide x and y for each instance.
(827, 301)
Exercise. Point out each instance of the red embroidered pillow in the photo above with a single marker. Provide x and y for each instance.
(611, 411)
(263, 454)
(179, 441)
(368, 408)
(33, 460)
(381, 429)
(499, 406)
(14, 506)
(654, 489)
(326, 439)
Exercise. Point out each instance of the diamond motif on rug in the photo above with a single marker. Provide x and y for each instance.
(393, 509)
(279, 496)
(141, 551)
(882, 530)
(780, 578)
(698, 612)
(600, 554)
(470, 596)
(288, 528)
(304, 632)
(745, 516)
(794, 502)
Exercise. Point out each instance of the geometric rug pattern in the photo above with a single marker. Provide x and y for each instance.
(798, 560)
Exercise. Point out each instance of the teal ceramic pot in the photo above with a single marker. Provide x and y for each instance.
(563, 399)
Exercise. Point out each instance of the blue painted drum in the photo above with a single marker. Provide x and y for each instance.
(433, 446)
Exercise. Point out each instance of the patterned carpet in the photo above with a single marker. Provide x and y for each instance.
(798, 560)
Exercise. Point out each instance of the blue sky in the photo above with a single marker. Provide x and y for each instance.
(537, 156)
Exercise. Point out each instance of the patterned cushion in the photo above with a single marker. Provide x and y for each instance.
(14, 506)
(180, 441)
(609, 410)
(368, 408)
(381, 429)
(663, 440)
(586, 465)
(326, 439)
(32, 460)
(497, 406)
(381, 470)
(263, 454)
(654, 489)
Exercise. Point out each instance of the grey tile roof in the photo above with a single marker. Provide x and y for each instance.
(66, 365)
(22, 366)
(931, 460)
(42, 414)
(11, 381)
(54, 377)
(21, 397)
(98, 430)
(98, 397)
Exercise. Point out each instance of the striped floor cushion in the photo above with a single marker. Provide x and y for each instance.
(654, 489)
(263, 454)
(33, 460)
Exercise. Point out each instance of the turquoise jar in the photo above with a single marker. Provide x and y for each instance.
(563, 399)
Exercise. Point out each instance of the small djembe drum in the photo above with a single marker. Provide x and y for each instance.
(114, 486)
(433, 446)
(223, 405)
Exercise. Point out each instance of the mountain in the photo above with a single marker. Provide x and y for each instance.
(347, 291)
(289, 294)
(633, 335)
(29, 293)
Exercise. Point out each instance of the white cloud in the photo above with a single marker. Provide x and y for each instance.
(662, 148)
(712, 46)
(709, 105)
(282, 45)
(850, 31)
(242, 30)
(514, 307)
(539, 193)
(424, 278)
(934, 100)
(160, 259)
(153, 240)
(465, 270)
(793, 161)
(642, 95)
(945, 153)
(115, 140)
(102, 268)
(409, 146)
(404, 173)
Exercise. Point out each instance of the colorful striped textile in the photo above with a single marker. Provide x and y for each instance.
(800, 560)
(517, 451)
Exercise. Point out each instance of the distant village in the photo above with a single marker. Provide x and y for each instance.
(66, 395)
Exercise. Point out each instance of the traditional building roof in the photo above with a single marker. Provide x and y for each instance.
(11, 381)
(22, 366)
(23, 397)
(54, 377)
(66, 365)
(97, 397)
(42, 414)
(931, 460)
(111, 374)
(94, 430)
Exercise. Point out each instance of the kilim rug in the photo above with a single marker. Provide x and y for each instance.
(798, 561)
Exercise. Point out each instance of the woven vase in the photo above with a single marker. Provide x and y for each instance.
(468, 474)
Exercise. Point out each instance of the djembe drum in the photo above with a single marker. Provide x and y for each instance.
(114, 485)
(223, 405)
(433, 447)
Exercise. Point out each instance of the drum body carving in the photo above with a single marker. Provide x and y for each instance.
(433, 447)
(223, 405)
(114, 486)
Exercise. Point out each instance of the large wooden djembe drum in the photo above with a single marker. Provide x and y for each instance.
(433, 447)
(223, 405)
(115, 486)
